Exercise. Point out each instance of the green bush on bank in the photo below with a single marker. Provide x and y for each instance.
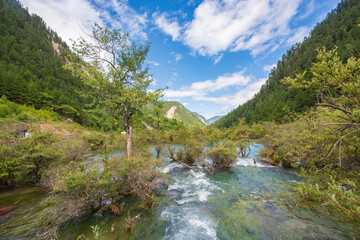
(335, 199)
(25, 160)
(78, 190)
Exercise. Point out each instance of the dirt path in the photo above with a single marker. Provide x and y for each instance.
(44, 127)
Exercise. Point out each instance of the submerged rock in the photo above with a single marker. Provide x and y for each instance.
(5, 210)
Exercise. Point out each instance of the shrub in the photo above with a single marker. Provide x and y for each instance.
(77, 190)
(223, 155)
(95, 140)
(334, 199)
(74, 149)
(142, 177)
(186, 145)
(24, 161)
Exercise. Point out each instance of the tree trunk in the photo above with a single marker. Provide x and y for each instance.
(158, 149)
(129, 141)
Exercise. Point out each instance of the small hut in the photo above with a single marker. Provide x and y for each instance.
(24, 134)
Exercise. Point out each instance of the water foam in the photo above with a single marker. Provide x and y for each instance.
(170, 167)
(188, 219)
(188, 223)
(195, 187)
(249, 162)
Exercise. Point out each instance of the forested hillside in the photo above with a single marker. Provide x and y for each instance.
(275, 101)
(31, 60)
(32, 57)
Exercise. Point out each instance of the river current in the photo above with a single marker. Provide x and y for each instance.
(239, 203)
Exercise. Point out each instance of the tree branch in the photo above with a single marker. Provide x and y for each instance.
(340, 139)
(335, 107)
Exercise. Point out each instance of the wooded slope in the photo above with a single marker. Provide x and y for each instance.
(275, 101)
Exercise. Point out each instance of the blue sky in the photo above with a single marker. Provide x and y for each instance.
(213, 55)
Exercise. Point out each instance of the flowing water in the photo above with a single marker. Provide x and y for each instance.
(231, 204)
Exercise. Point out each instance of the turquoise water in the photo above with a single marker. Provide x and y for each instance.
(231, 204)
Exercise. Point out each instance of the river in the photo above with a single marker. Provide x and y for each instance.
(231, 204)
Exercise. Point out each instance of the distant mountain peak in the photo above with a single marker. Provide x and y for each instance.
(175, 110)
(213, 119)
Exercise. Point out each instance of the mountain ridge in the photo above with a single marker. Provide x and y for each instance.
(179, 112)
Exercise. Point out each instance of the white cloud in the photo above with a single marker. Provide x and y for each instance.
(174, 76)
(185, 104)
(180, 93)
(267, 68)
(233, 25)
(238, 98)
(74, 18)
(218, 58)
(224, 110)
(200, 90)
(298, 35)
(191, 3)
(68, 18)
(153, 63)
(177, 56)
(222, 82)
(124, 17)
(168, 26)
(310, 7)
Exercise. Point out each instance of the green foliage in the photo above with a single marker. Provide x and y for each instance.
(275, 101)
(186, 145)
(334, 199)
(223, 155)
(142, 177)
(24, 113)
(214, 135)
(338, 87)
(297, 143)
(31, 59)
(120, 76)
(325, 142)
(28, 160)
(74, 149)
(152, 114)
(95, 140)
(23, 161)
(78, 189)
(240, 136)
(96, 231)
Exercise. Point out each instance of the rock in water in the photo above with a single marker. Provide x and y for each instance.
(5, 210)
